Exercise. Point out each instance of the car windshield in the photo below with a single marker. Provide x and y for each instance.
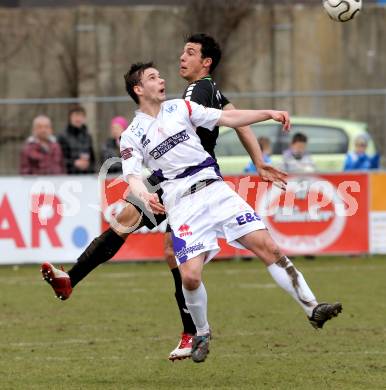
(228, 143)
(321, 139)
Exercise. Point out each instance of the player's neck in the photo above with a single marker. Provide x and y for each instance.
(151, 108)
(200, 75)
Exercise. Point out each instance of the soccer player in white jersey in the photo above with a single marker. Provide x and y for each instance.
(200, 206)
(200, 57)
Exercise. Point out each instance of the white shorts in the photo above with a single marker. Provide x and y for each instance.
(216, 211)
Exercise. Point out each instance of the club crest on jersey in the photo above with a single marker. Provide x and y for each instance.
(184, 230)
(137, 131)
(171, 108)
(169, 144)
(127, 153)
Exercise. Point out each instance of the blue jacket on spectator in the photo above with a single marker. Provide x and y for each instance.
(357, 162)
(250, 168)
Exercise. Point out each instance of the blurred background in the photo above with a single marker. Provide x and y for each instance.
(61, 75)
(276, 54)
(65, 60)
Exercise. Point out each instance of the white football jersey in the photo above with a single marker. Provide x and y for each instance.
(169, 147)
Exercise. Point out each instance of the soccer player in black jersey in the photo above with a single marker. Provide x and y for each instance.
(201, 55)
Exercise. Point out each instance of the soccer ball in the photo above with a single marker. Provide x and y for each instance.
(342, 10)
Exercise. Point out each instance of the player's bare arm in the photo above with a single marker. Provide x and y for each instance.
(140, 191)
(266, 171)
(240, 118)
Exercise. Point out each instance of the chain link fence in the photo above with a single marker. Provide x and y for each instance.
(16, 115)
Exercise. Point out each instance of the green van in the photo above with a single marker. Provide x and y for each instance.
(328, 142)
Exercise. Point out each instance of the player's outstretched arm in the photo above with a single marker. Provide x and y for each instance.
(267, 172)
(139, 190)
(239, 118)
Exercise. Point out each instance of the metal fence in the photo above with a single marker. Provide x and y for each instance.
(16, 115)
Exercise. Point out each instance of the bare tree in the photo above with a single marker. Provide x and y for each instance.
(217, 18)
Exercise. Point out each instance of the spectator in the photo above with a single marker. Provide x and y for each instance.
(76, 144)
(296, 159)
(265, 146)
(41, 153)
(111, 147)
(359, 159)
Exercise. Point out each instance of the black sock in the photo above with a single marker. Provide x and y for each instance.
(101, 249)
(186, 318)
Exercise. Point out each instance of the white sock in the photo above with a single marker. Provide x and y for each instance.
(291, 280)
(197, 302)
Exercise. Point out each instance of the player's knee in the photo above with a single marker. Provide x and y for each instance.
(127, 221)
(268, 250)
(191, 280)
(128, 217)
(274, 250)
(169, 251)
(168, 246)
(170, 258)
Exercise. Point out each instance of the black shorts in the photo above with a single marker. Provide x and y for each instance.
(148, 219)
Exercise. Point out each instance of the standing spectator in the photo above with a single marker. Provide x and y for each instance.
(266, 150)
(359, 159)
(296, 159)
(76, 143)
(111, 147)
(41, 153)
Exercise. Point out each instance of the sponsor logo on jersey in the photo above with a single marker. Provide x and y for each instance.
(184, 230)
(169, 144)
(190, 249)
(127, 153)
(246, 218)
(171, 108)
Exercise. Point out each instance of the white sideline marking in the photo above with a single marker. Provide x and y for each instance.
(133, 273)
(232, 356)
(61, 342)
(257, 269)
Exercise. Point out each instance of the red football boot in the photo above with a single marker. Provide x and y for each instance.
(58, 279)
(183, 349)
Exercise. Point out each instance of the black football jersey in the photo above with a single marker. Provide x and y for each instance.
(205, 92)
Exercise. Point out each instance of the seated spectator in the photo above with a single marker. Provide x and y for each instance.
(265, 146)
(295, 158)
(359, 159)
(41, 153)
(76, 143)
(111, 147)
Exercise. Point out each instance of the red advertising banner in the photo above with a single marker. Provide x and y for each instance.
(318, 214)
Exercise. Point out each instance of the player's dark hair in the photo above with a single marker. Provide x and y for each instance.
(209, 48)
(133, 77)
(299, 137)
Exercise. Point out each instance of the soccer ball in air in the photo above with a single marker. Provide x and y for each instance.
(342, 10)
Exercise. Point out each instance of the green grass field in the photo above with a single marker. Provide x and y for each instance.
(120, 324)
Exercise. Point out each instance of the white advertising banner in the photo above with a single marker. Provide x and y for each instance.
(377, 214)
(47, 218)
(378, 232)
